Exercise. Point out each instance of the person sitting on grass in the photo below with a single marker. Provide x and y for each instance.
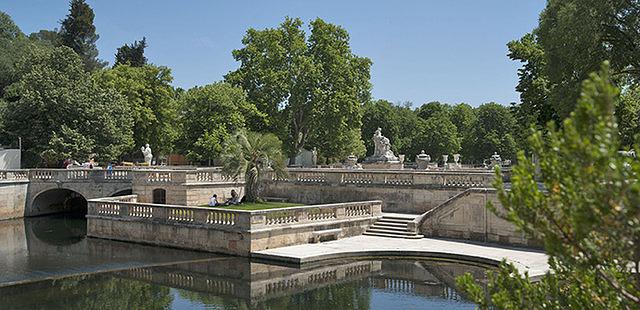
(213, 201)
(234, 200)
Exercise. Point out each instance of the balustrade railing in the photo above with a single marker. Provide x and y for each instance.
(14, 175)
(127, 207)
(462, 179)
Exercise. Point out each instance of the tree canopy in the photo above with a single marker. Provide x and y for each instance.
(209, 115)
(151, 100)
(59, 111)
(132, 55)
(311, 88)
(78, 32)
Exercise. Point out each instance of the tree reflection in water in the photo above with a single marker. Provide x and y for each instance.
(237, 283)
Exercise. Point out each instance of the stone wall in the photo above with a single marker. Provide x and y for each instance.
(185, 188)
(13, 199)
(465, 216)
(224, 230)
(402, 191)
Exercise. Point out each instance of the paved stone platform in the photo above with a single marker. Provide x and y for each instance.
(533, 261)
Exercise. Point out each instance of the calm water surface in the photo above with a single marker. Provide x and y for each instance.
(49, 263)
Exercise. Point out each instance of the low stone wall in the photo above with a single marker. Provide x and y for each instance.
(185, 187)
(465, 216)
(402, 191)
(13, 193)
(223, 230)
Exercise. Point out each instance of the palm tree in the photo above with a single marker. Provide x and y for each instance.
(252, 153)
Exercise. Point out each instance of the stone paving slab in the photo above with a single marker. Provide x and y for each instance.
(533, 261)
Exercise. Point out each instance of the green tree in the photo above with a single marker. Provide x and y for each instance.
(209, 115)
(8, 29)
(251, 153)
(628, 115)
(398, 123)
(492, 132)
(311, 89)
(54, 97)
(587, 216)
(437, 136)
(47, 37)
(151, 100)
(463, 116)
(577, 35)
(432, 108)
(533, 83)
(79, 33)
(132, 55)
(341, 87)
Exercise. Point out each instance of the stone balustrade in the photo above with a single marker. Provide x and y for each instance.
(408, 178)
(224, 230)
(14, 175)
(127, 208)
(147, 176)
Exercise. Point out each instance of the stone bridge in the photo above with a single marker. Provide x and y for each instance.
(37, 192)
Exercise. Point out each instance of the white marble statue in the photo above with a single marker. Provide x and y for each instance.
(146, 151)
(495, 160)
(382, 149)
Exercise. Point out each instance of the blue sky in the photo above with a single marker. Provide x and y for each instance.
(450, 51)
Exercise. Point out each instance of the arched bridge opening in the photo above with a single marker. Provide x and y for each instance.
(59, 200)
(123, 192)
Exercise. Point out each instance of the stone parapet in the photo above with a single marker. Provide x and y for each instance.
(223, 230)
(403, 178)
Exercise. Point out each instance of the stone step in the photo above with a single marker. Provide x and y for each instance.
(388, 231)
(394, 228)
(393, 235)
(401, 216)
(397, 221)
(391, 224)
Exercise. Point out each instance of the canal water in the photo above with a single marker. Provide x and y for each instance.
(49, 263)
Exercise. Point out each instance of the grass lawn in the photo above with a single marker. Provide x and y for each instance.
(257, 206)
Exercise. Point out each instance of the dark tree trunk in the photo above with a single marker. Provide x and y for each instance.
(251, 185)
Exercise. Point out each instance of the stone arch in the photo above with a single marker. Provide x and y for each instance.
(58, 200)
(159, 196)
(122, 192)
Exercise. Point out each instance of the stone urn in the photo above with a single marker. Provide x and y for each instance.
(422, 161)
(351, 162)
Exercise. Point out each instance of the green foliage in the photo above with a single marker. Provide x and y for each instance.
(628, 115)
(311, 89)
(151, 100)
(587, 216)
(209, 115)
(132, 55)
(398, 123)
(533, 83)
(577, 35)
(492, 132)
(53, 94)
(8, 29)
(78, 33)
(437, 136)
(464, 117)
(433, 108)
(252, 153)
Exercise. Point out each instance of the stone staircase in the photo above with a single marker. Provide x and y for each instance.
(393, 225)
